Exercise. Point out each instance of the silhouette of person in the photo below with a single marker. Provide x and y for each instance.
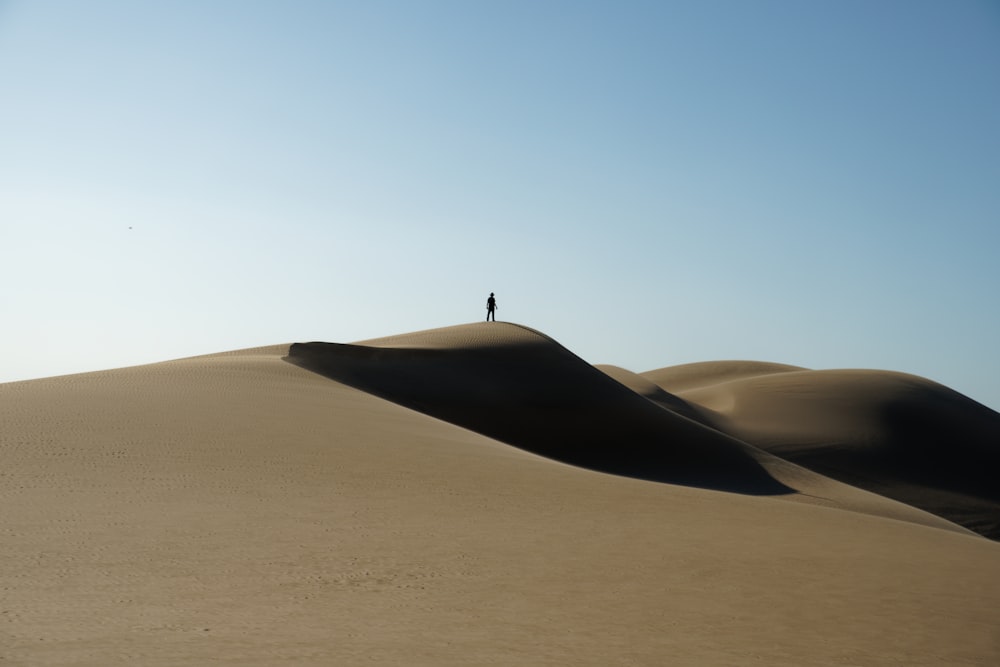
(491, 307)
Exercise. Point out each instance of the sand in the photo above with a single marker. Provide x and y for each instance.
(896, 434)
(391, 502)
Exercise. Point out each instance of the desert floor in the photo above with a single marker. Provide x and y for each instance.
(478, 495)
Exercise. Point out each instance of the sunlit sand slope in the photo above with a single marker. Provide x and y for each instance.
(676, 379)
(236, 509)
(898, 435)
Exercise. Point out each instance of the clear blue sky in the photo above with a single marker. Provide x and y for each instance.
(650, 183)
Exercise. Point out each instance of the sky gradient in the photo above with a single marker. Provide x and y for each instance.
(650, 183)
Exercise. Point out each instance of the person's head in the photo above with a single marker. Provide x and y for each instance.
(491, 293)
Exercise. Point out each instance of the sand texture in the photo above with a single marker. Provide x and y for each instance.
(478, 495)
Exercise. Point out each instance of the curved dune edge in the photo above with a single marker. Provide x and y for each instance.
(518, 386)
(895, 434)
(521, 387)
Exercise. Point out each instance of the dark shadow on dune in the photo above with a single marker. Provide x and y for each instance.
(947, 491)
(936, 450)
(545, 400)
(941, 453)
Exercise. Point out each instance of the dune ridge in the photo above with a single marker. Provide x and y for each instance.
(521, 387)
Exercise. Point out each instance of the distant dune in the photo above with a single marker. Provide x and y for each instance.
(478, 494)
(898, 435)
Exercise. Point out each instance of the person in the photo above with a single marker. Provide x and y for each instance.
(491, 306)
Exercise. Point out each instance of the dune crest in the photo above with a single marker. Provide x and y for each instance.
(521, 387)
(685, 377)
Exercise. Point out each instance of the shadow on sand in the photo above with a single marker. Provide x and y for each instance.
(543, 399)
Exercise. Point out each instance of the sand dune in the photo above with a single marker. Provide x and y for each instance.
(521, 387)
(525, 389)
(239, 509)
(898, 435)
(677, 379)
